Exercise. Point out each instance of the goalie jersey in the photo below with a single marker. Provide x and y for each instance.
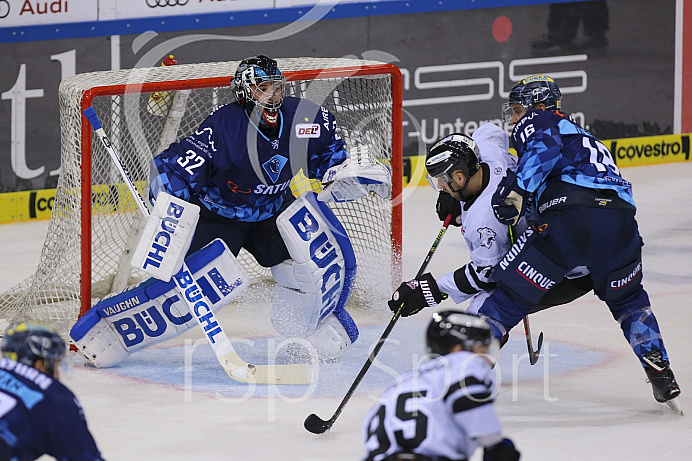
(442, 409)
(230, 167)
(39, 415)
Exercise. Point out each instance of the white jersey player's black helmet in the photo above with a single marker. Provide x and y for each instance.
(454, 152)
(27, 342)
(449, 328)
(247, 84)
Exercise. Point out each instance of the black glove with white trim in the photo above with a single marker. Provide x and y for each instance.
(414, 295)
(447, 204)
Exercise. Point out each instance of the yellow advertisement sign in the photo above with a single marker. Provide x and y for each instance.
(26, 205)
(109, 198)
(650, 150)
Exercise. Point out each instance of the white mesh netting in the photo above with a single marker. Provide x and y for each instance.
(140, 124)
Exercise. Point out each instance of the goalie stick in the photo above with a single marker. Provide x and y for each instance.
(235, 367)
(317, 425)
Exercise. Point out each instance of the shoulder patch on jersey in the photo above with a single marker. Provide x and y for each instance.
(308, 130)
(487, 236)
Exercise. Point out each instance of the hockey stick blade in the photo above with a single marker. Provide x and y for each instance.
(534, 355)
(234, 366)
(317, 425)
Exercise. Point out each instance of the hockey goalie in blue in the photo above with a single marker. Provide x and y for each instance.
(238, 165)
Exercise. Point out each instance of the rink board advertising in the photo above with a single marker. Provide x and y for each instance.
(457, 66)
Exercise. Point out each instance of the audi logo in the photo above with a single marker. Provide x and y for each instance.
(157, 3)
(4, 8)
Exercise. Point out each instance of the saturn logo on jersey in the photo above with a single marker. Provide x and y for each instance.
(308, 130)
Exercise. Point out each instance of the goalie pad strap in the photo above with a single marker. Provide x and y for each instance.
(152, 312)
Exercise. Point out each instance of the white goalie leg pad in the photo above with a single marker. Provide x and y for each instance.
(318, 280)
(356, 177)
(166, 237)
(151, 312)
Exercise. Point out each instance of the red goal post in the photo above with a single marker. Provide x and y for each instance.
(138, 108)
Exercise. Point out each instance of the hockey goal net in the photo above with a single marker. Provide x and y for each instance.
(94, 223)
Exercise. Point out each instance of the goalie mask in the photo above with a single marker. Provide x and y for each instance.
(258, 85)
(454, 152)
(27, 342)
(449, 328)
(532, 91)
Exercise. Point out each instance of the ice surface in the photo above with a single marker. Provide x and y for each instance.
(586, 399)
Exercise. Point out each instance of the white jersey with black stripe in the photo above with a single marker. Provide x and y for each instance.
(442, 408)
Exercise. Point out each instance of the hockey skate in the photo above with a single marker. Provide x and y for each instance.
(662, 380)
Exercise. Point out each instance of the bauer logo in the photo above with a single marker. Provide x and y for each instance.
(308, 130)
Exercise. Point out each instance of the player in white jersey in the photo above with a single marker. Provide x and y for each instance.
(467, 170)
(442, 410)
(483, 159)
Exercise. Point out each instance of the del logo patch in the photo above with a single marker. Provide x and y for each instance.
(308, 130)
(274, 165)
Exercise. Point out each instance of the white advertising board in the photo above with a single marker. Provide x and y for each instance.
(128, 9)
(19, 13)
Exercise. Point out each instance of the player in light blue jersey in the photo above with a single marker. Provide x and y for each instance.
(39, 415)
(442, 410)
(586, 218)
(238, 165)
(585, 221)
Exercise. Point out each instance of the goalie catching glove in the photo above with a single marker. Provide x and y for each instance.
(414, 295)
(509, 200)
(355, 177)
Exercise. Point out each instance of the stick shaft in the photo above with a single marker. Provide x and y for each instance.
(387, 330)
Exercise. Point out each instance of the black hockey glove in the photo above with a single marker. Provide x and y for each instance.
(501, 451)
(447, 204)
(416, 294)
(509, 200)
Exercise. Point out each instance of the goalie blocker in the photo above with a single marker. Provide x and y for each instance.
(151, 312)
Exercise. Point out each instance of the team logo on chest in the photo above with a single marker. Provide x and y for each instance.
(274, 165)
(275, 144)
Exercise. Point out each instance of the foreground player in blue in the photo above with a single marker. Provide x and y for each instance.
(442, 409)
(238, 165)
(586, 219)
(39, 415)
